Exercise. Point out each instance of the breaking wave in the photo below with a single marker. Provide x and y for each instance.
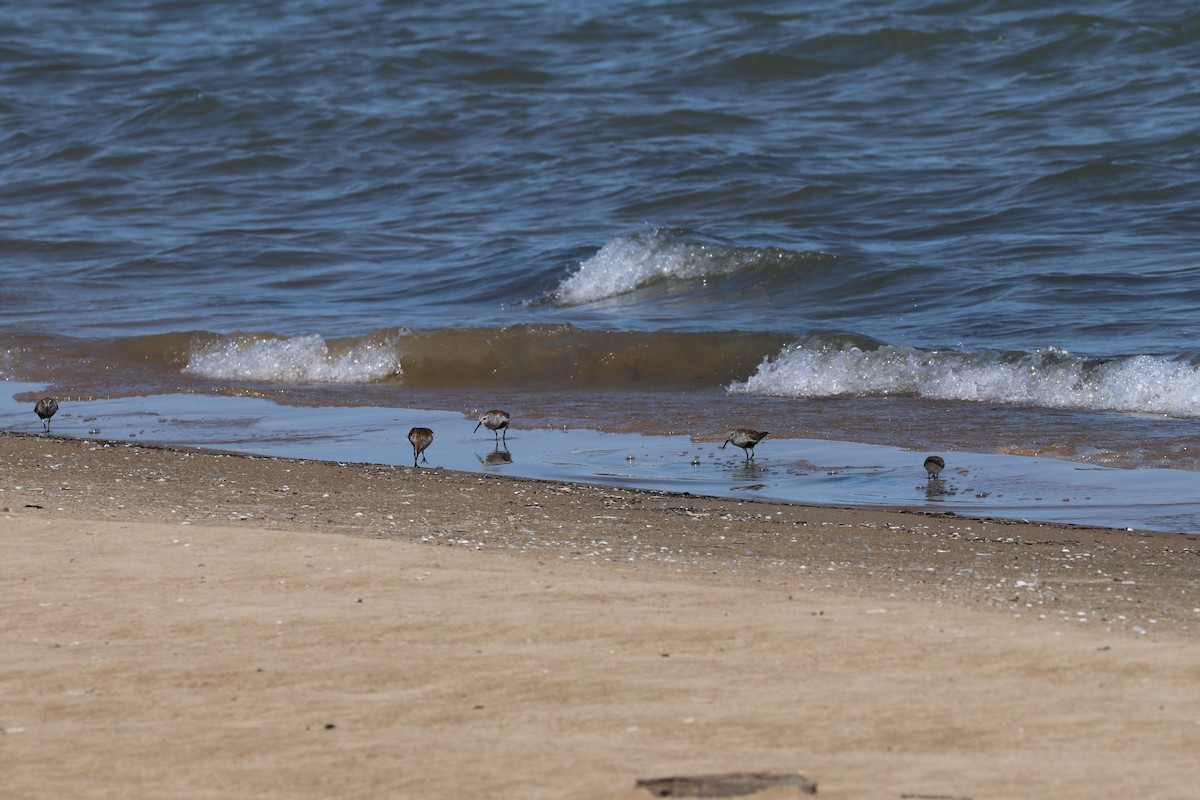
(556, 357)
(1050, 377)
(302, 359)
(518, 356)
(643, 259)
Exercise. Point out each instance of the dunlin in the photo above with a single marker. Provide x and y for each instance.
(45, 409)
(420, 438)
(495, 420)
(934, 465)
(745, 438)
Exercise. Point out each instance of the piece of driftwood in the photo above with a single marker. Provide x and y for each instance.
(730, 784)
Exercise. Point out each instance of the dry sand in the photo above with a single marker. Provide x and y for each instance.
(199, 625)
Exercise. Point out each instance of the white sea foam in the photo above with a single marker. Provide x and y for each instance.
(302, 359)
(1049, 378)
(631, 262)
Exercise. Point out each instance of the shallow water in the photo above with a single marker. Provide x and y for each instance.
(795, 470)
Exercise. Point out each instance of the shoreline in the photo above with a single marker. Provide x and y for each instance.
(1057, 562)
(1104, 438)
(821, 472)
(191, 624)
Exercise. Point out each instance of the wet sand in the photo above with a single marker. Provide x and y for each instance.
(193, 624)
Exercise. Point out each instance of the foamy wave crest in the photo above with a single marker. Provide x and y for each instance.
(303, 359)
(641, 259)
(1050, 378)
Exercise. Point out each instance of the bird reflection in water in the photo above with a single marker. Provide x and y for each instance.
(496, 458)
(748, 471)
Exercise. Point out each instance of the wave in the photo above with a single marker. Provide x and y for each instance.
(555, 356)
(558, 357)
(302, 359)
(832, 366)
(643, 259)
(517, 356)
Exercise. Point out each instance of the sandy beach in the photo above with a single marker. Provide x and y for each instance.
(203, 625)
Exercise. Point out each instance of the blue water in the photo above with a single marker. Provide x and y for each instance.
(960, 225)
(991, 175)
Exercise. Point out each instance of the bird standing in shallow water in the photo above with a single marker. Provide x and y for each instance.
(934, 465)
(745, 438)
(45, 409)
(420, 438)
(495, 420)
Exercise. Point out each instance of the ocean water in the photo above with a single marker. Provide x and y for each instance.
(955, 225)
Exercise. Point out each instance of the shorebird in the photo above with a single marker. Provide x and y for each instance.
(420, 438)
(495, 420)
(45, 409)
(745, 439)
(934, 465)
